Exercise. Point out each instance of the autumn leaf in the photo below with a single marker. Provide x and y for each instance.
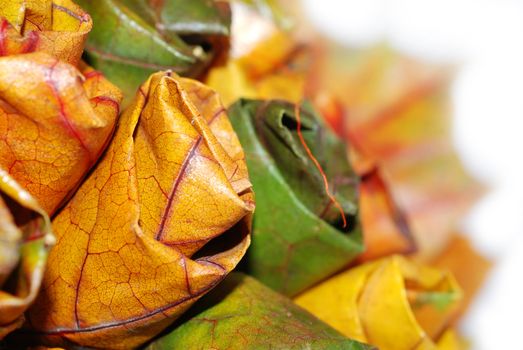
(25, 238)
(54, 123)
(468, 266)
(162, 219)
(450, 340)
(231, 82)
(298, 234)
(392, 303)
(399, 127)
(241, 313)
(259, 64)
(385, 227)
(58, 27)
(136, 38)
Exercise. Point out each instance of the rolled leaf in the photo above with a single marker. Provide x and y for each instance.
(55, 121)
(25, 238)
(58, 27)
(298, 238)
(241, 313)
(162, 219)
(135, 38)
(392, 303)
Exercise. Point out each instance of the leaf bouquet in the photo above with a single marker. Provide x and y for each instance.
(150, 148)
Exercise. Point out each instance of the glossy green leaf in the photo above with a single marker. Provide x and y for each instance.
(241, 313)
(298, 238)
(132, 39)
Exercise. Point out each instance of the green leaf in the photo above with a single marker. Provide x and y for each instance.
(132, 39)
(298, 239)
(241, 313)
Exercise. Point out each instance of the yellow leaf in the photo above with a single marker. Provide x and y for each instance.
(258, 69)
(162, 218)
(382, 303)
(451, 341)
(57, 27)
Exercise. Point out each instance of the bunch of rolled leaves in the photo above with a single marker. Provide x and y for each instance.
(150, 148)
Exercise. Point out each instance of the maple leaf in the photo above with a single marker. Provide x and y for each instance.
(161, 220)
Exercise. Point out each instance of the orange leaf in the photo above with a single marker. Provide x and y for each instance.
(398, 122)
(58, 27)
(468, 266)
(163, 217)
(54, 123)
(385, 229)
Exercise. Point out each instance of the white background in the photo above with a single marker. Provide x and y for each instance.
(486, 38)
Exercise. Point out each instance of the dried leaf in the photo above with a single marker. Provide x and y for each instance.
(162, 218)
(135, 38)
(398, 125)
(58, 27)
(386, 303)
(54, 123)
(297, 235)
(242, 313)
(25, 237)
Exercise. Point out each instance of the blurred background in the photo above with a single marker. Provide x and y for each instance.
(484, 39)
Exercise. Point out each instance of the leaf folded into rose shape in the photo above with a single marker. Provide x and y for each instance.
(135, 38)
(392, 303)
(242, 314)
(298, 238)
(58, 27)
(54, 123)
(25, 237)
(161, 219)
